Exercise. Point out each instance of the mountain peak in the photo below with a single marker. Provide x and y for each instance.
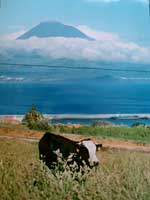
(54, 29)
(48, 22)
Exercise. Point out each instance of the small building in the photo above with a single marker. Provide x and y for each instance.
(10, 120)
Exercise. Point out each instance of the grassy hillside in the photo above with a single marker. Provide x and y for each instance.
(121, 175)
(138, 134)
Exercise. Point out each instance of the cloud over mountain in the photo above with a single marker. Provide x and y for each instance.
(107, 47)
(98, 35)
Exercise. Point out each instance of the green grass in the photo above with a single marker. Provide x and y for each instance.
(138, 134)
(121, 176)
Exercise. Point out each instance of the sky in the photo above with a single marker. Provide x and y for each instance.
(128, 18)
(123, 23)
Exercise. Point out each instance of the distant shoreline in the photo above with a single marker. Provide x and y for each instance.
(85, 116)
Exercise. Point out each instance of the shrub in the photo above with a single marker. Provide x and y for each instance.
(136, 124)
(35, 120)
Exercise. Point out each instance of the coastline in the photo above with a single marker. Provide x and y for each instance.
(126, 116)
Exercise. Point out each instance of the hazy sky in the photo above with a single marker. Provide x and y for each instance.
(127, 18)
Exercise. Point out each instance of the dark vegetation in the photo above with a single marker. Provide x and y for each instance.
(137, 124)
(100, 123)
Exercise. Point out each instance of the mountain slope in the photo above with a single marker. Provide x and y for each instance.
(54, 29)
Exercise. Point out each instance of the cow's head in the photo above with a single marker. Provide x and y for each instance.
(87, 150)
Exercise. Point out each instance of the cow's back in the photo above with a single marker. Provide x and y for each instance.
(51, 142)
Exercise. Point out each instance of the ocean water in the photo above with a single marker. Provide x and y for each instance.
(74, 91)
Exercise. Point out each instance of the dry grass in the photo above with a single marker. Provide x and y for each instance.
(121, 175)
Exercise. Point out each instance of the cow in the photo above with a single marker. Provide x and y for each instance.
(83, 152)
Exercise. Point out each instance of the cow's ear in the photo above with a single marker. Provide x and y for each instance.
(98, 146)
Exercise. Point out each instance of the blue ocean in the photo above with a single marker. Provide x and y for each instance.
(74, 90)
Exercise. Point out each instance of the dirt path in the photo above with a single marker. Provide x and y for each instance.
(108, 144)
(114, 144)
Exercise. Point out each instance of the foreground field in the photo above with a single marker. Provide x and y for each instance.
(121, 175)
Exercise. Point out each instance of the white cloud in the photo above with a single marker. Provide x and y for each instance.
(98, 35)
(107, 47)
(13, 36)
(110, 1)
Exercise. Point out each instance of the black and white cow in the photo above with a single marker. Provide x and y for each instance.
(84, 150)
